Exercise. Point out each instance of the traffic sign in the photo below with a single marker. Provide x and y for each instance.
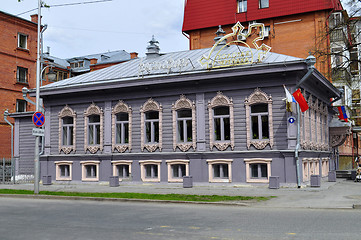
(38, 119)
(38, 132)
(291, 120)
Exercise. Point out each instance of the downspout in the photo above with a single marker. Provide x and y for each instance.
(6, 114)
(310, 61)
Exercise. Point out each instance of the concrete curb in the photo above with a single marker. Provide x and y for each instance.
(357, 206)
(98, 199)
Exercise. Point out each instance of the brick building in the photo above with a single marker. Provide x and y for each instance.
(18, 48)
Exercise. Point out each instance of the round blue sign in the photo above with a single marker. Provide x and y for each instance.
(38, 119)
(291, 120)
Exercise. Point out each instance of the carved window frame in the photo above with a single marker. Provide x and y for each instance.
(211, 164)
(170, 163)
(143, 170)
(259, 97)
(184, 103)
(121, 107)
(250, 161)
(67, 112)
(151, 105)
(221, 100)
(93, 110)
(122, 162)
(58, 176)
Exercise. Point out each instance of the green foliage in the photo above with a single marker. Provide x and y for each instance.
(170, 197)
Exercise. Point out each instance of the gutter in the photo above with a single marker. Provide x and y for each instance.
(6, 114)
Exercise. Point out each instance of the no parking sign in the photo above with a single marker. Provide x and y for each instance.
(38, 119)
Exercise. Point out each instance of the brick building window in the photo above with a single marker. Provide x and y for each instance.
(22, 75)
(20, 105)
(22, 41)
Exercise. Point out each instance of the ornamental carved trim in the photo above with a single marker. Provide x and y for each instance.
(257, 97)
(67, 112)
(184, 103)
(221, 100)
(93, 110)
(122, 107)
(151, 105)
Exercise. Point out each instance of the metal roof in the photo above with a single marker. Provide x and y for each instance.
(174, 63)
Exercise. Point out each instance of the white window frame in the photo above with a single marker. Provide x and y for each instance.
(20, 36)
(242, 6)
(21, 71)
(122, 162)
(143, 171)
(121, 107)
(220, 101)
(263, 4)
(67, 112)
(58, 176)
(171, 163)
(151, 105)
(211, 177)
(249, 161)
(181, 104)
(93, 110)
(84, 177)
(258, 97)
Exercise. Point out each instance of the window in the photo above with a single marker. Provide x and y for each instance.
(22, 75)
(123, 169)
(67, 130)
(259, 120)
(221, 125)
(220, 170)
(63, 170)
(263, 3)
(151, 126)
(177, 169)
(184, 124)
(93, 136)
(122, 127)
(20, 105)
(77, 64)
(258, 170)
(90, 170)
(150, 170)
(242, 6)
(22, 41)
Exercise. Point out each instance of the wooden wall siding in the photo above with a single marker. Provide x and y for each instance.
(27, 147)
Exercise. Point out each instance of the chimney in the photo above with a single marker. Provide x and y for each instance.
(34, 18)
(153, 48)
(133, 55)
(93, 61)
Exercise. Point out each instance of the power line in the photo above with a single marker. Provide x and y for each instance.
(66, 4)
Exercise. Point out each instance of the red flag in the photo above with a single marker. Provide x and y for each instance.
(301, 100)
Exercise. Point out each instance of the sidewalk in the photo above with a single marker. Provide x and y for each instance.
(344, 194)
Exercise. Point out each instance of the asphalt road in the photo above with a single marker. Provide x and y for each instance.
(54, 219)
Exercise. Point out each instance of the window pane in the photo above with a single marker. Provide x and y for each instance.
(91, 134)
(152, 115)
(126, 133)
(123, 171)
(122, 117)
(255, 130)
(118, 134)
(97, 134)
(148, 133)
(263, 3)
(265, 130)
(90, 171)
(264, 172)
(64, 170)
(71, 133)
(189, 131)
(227, 129)
(156, 132)
(259, 108)
(184, 113)
(221, 111)
(254, 170)
(225, 170)
(22, 41)
(148, 171)
(65, 136)
(216, 171)
(179, 170)
(155, 170)
(217, 129)
(67, 120)
(180, 131)
(242, 6)
(94, 119)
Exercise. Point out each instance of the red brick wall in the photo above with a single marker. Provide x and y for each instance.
(10, 58)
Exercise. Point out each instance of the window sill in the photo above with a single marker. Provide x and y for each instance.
(22, 83)
(23, 49)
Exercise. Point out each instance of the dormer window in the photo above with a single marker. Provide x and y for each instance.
(77, 64)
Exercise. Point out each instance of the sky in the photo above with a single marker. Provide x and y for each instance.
(83, 29)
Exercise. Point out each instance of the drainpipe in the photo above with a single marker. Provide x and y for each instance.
(6, 114)
(310, 61)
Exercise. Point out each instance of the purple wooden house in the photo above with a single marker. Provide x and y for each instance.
(218, 115)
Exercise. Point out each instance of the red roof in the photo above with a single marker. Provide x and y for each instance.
(209, 13)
